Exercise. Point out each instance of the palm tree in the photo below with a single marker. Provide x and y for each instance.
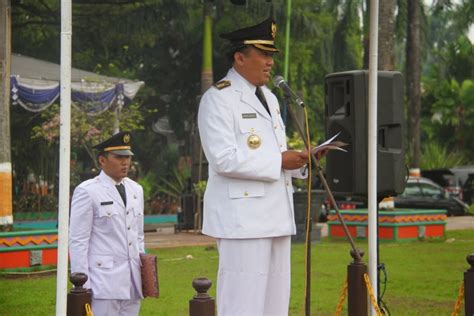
(386, 49)
(413, 73)
(386, 59)
(206, 82)
(347, 46)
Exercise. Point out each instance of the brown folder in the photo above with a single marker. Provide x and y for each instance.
(149, 274)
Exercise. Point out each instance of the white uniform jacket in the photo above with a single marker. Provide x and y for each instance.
(248, 194)
(106, 237)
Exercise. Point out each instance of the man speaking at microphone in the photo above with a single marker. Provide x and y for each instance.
(248, 203)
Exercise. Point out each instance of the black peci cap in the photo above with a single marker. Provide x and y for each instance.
(261, 36)
(118, 144)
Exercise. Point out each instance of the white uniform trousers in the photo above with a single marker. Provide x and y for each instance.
(116, 307)
(106, 307)
(254, 276)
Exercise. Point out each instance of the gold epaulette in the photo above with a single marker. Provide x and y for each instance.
(222, 84)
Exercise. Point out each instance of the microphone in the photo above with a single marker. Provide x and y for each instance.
(280, 83)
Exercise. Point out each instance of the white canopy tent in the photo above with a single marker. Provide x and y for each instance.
(35, 86)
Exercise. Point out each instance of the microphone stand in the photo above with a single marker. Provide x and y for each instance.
(308, 244)
(331, 199)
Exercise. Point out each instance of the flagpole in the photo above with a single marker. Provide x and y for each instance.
(372, 148)
(64, 157)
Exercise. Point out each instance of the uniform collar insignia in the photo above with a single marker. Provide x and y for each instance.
(222, 84)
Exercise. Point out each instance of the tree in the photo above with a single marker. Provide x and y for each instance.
(448, 70)
(413, 71)
(206, 82)
(6, 219)
(312, 57)
(448, 99)
(387, 27)
(347, 44)
(87, 129)
(386, 43)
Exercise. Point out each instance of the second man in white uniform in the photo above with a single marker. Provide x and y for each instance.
(106, 234)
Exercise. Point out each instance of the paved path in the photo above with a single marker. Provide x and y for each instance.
(154, 240)
(460, 222)
(161, 240)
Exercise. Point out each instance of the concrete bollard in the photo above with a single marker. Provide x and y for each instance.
(78, 297)
(202, 304)
(469, 287)
(356, 289)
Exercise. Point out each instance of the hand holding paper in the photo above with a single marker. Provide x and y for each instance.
(330, 144)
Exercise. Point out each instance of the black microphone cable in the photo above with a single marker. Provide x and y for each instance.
(383, 306)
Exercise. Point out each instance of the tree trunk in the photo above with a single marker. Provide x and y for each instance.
(206, 82)
(386, 49)
(387, 35)
(366, 28)
(206, 74)
(6, 208)
(413, 73)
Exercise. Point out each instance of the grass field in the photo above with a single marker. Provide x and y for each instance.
(423, 278)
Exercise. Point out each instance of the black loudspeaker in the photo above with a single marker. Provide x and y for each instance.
(346, 111)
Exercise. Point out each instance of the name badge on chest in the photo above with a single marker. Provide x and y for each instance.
(249, 115)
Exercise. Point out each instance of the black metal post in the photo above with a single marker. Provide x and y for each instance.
(356, 290)
(78, 297)
(202, 304)
(469, 287)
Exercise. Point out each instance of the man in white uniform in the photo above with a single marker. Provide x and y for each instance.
(248, 203)
(106, 231)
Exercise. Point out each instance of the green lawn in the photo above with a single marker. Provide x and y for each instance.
(423, 278)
